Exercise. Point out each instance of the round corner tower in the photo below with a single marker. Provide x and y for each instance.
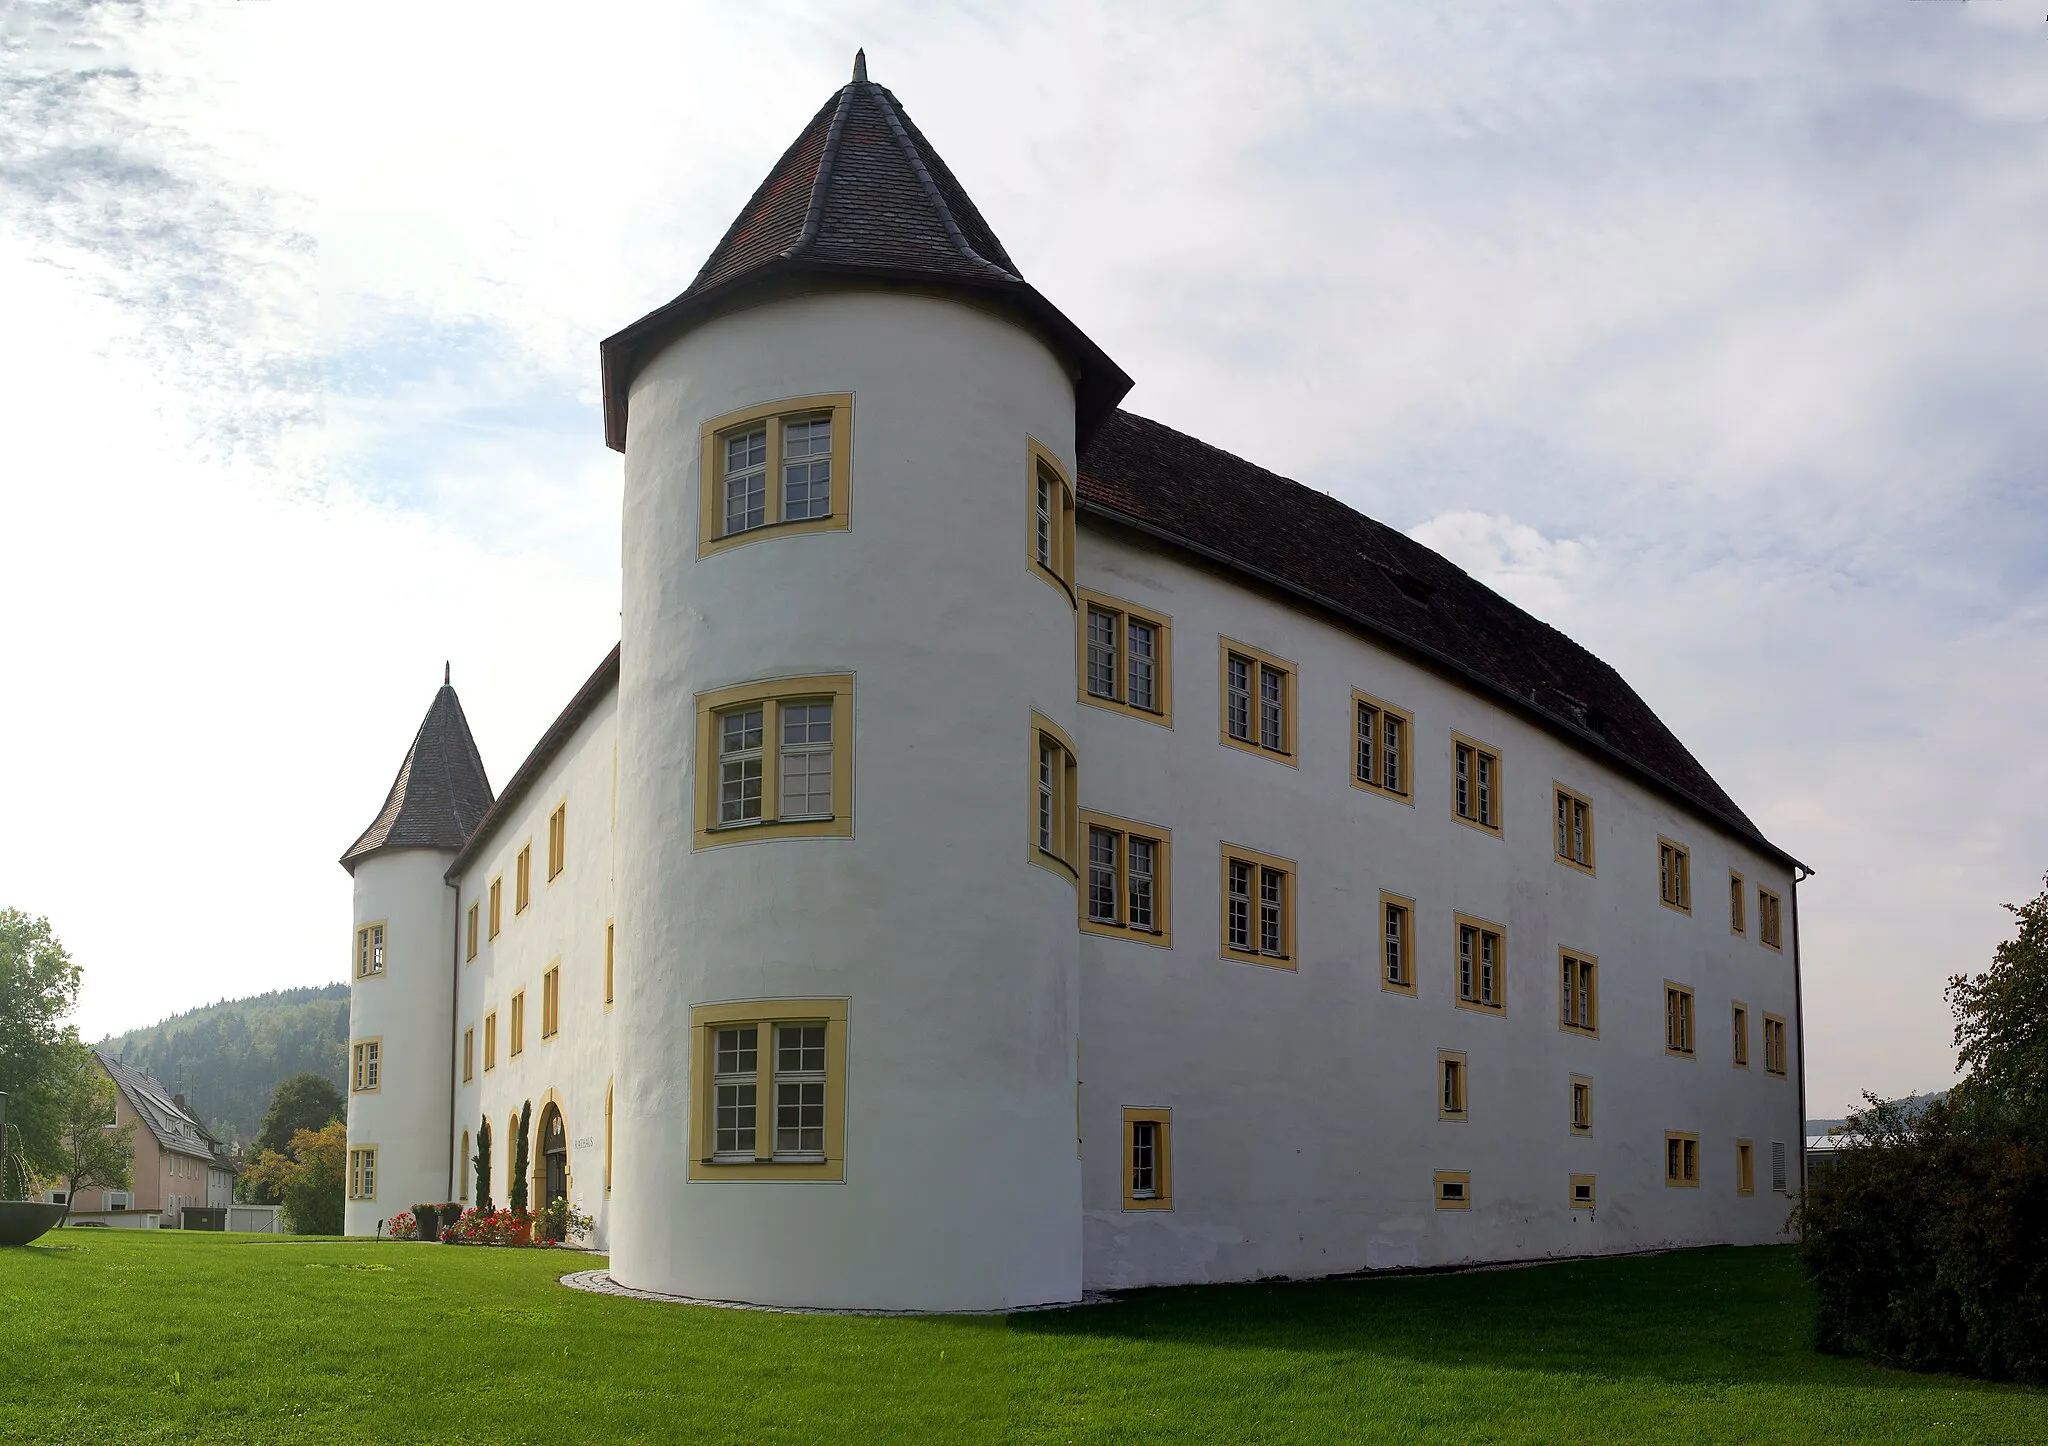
(848, 1022)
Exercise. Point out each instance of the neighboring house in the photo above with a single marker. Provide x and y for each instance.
(177, 1162)
(1019, 848)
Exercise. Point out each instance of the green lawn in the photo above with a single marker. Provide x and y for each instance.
(132, 1337)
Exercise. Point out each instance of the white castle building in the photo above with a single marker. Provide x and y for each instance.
(1017, 848)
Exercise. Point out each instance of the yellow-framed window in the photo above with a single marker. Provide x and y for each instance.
(1582, 1104)
(1148, 1159)
(464, 1169)
(608, 1137)
(522, 879)
(1739, 1028)
(611, 955)
(1767, 919)
(1680, 1037)
(775, 760)
(551, 1002)
(1581, 1192)
(1674, 875)
(1745, 1167)
(1051, 543)
(1258, 907)
(1578, 992)
(490, 1041)
(1397, 943)
(1681, 1159)
(1451, 1101)
(1382, 755)
(362, 1172)
(1128, 892)
(1738, 916)
(1453, 1189)
(1482, 964)
(1054, 822)
(497, 905)
(366, 1066)
(1256, 693)
(1774, 1045)
(776, 469)
(1125, 657)
(558, 841)
(472, 933)
(770, 1098)
(518, 1041)
(1476, 784)
(370, 950)
(1573, 839)
(468, 1055)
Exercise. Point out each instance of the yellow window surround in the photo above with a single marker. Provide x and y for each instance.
(362, 1172)
(1745, 1167)
(1479, 963)
(744, 735)
(1769, 926)
(1049, 513)
(518, 1044)
(1451, 1102)
(1454, 1189)
(497, 905)
(1681, 1159)
(1674, 875)
(1053, 822)
(764, 1100)
(1578, 987)
(551, 1002)
(1258, 892)
(1738, 919)
(1774, 1045)
(782, 482)
(472, 932)
(1257, 696)
(1739, 1025)
(490, 1041)
(366, 1066)
(370, 950)
(1397, 944)
(1573, 843)
(1124, 657)
(1582, 1104)
(1148, 1159)
(608, 1137)
(1476, 784)
(1680, 1024)
(1128, 895)
(1581, 1192)
(1383, 748)
(469, 1054)
(611, 955)
(522, 879)
(558, 840)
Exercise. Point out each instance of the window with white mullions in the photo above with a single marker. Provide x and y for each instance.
(806, 467)
(1048, 769)
(799, 1090)
(1046, 504)
(735, 1077)
(1142, 643)
(1574, 829)
(1238, 687)
(1102, 885)
(1240, 904)
(1391, 751)
(1102, 669)
(746, 480)
(1395, 938)
(1144, 1159)
(1272, 938)
(1475, 784)
(806, 760)
(739, 766)
(1272, 709)
(1142, 882)
(1482, 965)
(1578, 994)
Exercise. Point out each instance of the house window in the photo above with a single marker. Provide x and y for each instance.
(1774, 1045)
(1258, 907)
(463, 1169)
(1681, 1159)
(1740, 1023)
(522, 879)
(1738, 920)
(491, 1041)
(1126, 894)
(1258, 701)
(1450, 1085)
(1582, 1105)
(1126, 657)
(472, 933)
(518, 1024)
(1379, 760)
(558, 841)
(1678, 1019)
(1148, 1159)
(1745, 1168)
(1582, 1192)
(468, 1055)
(1767, 919)
(362, 1173)
(1674, 875)
(366, 1067)
(1482, 965)
(1055, 799)
(369, 951)
(1453, 1190)
(1578, 992)
(776, 760)
(1051, 547)
(551, 1003)
(774, 470)
(1475, 783)
(610, 960)
(1574, 829)
(771, 1085)
(1397, 943)
(608, 1137)
(497, 904)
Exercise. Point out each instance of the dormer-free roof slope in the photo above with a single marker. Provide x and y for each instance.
(860, 196)
(440, 794)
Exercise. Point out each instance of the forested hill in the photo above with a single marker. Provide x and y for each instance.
(228, 1058)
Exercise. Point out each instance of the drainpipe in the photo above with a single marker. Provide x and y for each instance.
(1800, 873)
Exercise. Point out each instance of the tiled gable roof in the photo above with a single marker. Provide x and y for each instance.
(1312, 547)
(861, 194)
(440, 794)
(174, 1128)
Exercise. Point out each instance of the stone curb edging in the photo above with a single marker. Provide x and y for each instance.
(600, 1282)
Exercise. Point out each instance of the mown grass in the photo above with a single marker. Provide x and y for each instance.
(144, 1337)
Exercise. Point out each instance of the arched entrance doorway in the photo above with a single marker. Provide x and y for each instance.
(554, 1157)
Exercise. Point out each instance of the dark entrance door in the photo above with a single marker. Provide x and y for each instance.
(555, 1154)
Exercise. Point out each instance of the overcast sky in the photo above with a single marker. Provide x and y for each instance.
(1715, 335)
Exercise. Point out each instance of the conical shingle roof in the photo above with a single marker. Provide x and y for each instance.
(440, 794)
(861, 194)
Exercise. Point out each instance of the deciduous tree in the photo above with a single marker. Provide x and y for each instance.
(97, 1153)
(38, 987)
(309, 1179)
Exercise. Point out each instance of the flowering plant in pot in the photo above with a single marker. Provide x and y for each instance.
(400, 1226)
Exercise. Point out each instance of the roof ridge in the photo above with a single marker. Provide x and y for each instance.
(924, 177)
(814, 214)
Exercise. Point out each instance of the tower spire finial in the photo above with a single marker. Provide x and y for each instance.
(860, 65)
(445, 672)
